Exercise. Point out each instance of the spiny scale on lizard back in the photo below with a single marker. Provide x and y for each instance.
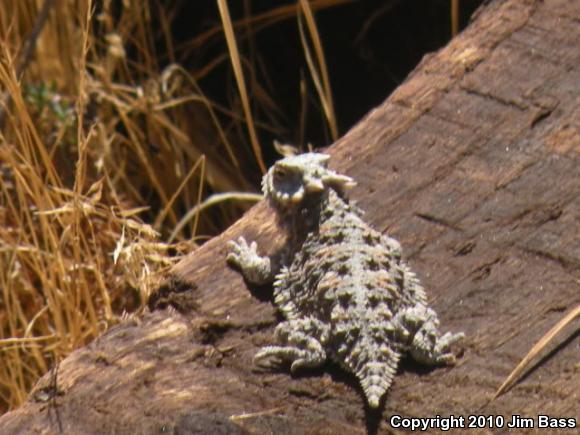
(342, 286)
(345, 277)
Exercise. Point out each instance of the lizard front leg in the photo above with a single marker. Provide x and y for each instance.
(258, 270)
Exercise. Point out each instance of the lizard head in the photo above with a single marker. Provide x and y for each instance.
(293, 179)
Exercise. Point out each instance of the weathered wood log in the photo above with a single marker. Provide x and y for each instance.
(474, 165)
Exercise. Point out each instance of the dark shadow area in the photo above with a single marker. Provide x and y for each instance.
(370, 48)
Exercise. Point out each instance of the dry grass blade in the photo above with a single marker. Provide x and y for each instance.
(201, 164)
(239, 74)
(27, 52)
(256, 414)
(214, 199)
(21, 341)
(198, 96)
(260, 21)
(320, 74)
(454, 17)
(535, 350)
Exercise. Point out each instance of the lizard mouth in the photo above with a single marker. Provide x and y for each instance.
(285, 186)
(293, 191)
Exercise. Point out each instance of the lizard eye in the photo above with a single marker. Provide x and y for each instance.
(280, 173)
(287, 178)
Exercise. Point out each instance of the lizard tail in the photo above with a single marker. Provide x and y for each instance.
(376, 378)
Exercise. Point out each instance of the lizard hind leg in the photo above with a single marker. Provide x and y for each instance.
(300, 339)
(428, 346)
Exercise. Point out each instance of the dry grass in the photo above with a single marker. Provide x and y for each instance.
(73, 253)
(540, 346)
(91, 140)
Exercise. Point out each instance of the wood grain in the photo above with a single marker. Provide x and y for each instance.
(474, 165)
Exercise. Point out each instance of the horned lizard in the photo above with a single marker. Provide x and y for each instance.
(343, 288)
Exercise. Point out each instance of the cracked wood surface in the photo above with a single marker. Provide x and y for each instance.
(474, 165)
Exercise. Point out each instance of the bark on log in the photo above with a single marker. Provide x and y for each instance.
(474, 165)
